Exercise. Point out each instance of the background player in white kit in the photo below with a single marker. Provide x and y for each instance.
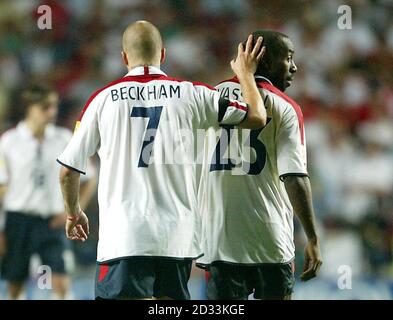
(248, 223)
(149, 221)
(34, 211)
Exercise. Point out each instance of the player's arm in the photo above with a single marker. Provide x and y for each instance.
(300, 195)
(77, 224)
(74, 161)
(292, 168)
(245, 66)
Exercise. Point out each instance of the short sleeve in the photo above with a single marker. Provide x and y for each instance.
(291, 146)
(231, 112)
(214, 109)
(85, 140)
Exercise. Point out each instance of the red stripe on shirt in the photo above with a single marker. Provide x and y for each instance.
(195, 83)
(140, 79)
(295, 106)
(237, 105)
(234, 79)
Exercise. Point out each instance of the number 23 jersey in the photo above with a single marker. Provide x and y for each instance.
(247, 216)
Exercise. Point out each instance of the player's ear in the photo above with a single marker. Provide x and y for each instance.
(124, 58)
(163, 55)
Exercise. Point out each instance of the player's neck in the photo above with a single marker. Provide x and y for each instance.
(38, 131)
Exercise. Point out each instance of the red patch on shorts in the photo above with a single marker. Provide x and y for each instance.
(207, 276)
(104, 268)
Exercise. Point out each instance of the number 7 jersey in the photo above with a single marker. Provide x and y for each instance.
(145, 128)
(247, 216)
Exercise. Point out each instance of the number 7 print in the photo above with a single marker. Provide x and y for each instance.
(154, 115)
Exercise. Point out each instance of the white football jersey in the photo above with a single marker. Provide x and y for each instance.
(29, 170)
(247, 216)
(144, 128)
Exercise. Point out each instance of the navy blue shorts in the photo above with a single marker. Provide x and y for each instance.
(229, 281)
(26, 235)
(143, 277)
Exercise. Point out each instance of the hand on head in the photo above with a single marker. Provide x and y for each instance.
(247, 60)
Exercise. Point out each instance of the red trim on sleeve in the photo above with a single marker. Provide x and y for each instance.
(104, 268)
(273, 89)
(237, 105)
(295, 106)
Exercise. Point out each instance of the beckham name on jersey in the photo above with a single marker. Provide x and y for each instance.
(151, 92)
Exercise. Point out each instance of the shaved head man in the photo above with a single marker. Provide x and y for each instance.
(142, 44)
(150, 226)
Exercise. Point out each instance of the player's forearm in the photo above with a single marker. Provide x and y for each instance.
(256, 116)
(69, 181)
(300, 195)
(87, 190)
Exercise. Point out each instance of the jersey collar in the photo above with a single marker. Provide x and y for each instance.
(144, 71)
(26, 132)
(257, 79)
(263, 79)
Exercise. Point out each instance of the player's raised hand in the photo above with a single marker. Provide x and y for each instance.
(77, 227)
(247, 59)
(312, 261)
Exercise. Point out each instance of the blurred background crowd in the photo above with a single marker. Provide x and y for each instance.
(344, 85)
